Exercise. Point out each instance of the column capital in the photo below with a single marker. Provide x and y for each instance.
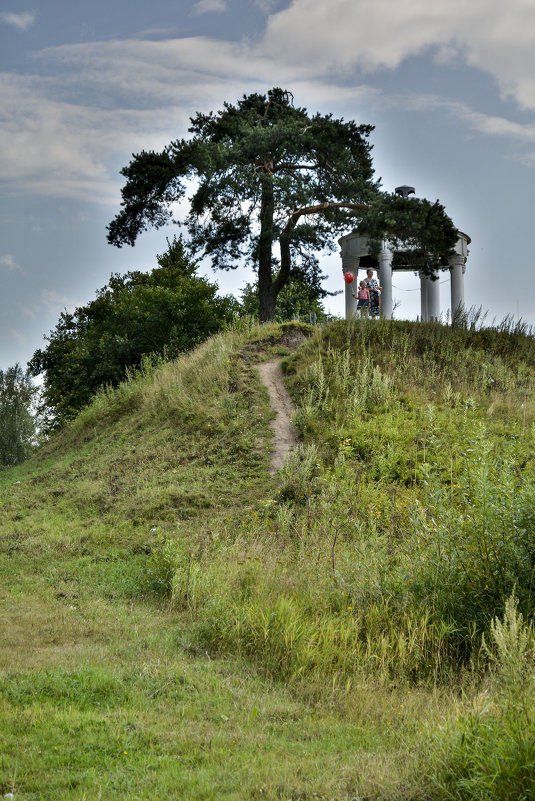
(456, 261)
(386, 253)
(350, 263)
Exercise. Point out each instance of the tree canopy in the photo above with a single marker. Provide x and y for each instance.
(264, 172)
(17, 417)
(167, 310)
(300, 298)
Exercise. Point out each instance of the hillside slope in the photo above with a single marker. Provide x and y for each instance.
(177, 622)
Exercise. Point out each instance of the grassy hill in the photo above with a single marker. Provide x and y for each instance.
(177, 623)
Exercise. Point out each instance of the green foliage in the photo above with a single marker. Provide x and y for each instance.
(488, 753)
(268, 172)
(162, 566)
(86, 687)
(17, 415)
(512, 650)
(160, 313)
(421, 230)
(400, 526)
(298, 299)
(300, 475)
(174, 570)
(451, 482)
(480, 535)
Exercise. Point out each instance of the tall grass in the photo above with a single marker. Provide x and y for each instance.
(403, 523)
(488, 752)
(377, 567)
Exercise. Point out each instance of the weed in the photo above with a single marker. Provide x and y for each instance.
(489, 752)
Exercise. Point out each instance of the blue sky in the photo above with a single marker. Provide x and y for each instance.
(449, 85)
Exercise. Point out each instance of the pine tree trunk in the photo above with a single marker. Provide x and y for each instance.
(267, 295)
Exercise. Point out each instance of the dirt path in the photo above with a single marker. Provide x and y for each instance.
(284, 434)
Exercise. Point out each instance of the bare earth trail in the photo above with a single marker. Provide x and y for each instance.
(284, 433)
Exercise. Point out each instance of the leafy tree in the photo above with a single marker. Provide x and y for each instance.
(165, 311)
(17, 418)
(263, 172)
(298, 298)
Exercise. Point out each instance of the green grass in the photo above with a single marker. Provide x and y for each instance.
(176, 623)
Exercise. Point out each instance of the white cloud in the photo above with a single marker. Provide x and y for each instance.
(67, 135)
(56, 302)
(51, 301)
(18, 335)
(324, 41)
(20, 21)
(31, 312)
(377, 34)
(8, 261)
(494, 125)
(57, 148)
(205, 6)
(267, 6)
(488, 124)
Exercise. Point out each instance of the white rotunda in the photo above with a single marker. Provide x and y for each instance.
(355, 253)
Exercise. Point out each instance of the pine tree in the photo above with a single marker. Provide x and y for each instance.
(271, 184)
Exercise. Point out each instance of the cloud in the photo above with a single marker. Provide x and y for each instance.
(56, 302)
(187, 74)
(326, 41)
(9, 262)
(51, 301)
(20, 21)
(16, 334)
(67, 131)
(488, 124)
(343, 34)
(520, 136)
(205, 6)
(491, 125)
(267, 6)
(31, 312)
(53, 147)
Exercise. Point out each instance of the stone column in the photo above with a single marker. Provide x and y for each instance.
(385, 280)
(350, 264)
(352, 247)
(457, 268)
(433, 300)
(423, 298)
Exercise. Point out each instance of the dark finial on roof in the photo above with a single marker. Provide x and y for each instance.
(404, 191)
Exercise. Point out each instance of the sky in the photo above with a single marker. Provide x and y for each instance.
(448, 84)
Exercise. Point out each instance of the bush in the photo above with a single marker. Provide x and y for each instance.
(161, 313)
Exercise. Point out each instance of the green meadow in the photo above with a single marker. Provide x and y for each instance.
(176, 622)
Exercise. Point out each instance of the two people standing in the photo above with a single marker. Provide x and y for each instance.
(368, 295)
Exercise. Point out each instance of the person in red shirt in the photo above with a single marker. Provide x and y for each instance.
(363, 299)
